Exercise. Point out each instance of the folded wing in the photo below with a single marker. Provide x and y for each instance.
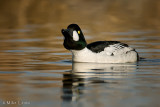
(111, 48)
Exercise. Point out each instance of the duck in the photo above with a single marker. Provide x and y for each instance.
(96, 52)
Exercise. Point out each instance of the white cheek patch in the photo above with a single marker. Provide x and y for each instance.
(75, 36)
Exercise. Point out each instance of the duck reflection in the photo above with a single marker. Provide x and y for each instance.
(83, 74)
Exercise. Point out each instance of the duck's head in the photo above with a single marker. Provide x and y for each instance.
(73, 38)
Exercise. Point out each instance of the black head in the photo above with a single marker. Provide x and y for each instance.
(73, 38)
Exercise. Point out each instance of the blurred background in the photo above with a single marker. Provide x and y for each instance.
(36, 69)
(107, 15)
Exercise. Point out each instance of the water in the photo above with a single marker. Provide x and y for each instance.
(37, 71)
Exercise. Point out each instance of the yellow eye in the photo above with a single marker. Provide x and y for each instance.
(79, 32)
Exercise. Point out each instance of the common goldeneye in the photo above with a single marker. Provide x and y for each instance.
(97, 52)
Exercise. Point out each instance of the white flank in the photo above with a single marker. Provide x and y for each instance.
(124, 55)
(75, 36)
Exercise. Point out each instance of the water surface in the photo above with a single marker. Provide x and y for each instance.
(36, 70)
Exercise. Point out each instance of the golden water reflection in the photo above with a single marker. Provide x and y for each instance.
(35, 67)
